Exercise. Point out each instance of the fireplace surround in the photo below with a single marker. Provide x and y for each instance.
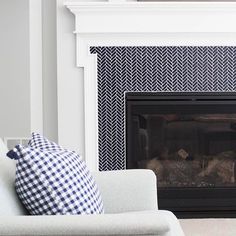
(189, 141)
(136, 47)
(102, 25)
(192, 74)
(144, 69)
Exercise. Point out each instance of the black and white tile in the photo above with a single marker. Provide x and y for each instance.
(120, 69)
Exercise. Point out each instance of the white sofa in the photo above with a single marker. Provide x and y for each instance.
(130, 201)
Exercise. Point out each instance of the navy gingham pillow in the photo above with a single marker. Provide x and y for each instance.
(51, 180)
(38, 141)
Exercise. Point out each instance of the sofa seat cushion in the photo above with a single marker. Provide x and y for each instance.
(52, 180)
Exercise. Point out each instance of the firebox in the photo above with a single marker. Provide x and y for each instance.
(189, 141)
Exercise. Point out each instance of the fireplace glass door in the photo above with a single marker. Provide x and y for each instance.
(189, 142)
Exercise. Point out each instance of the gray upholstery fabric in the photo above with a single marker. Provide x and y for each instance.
(3, 148)
(127, 190)
(9, 202)
(107, 224)
(173, 223)
(132, 192)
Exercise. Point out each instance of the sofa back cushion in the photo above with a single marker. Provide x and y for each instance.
(9, 201)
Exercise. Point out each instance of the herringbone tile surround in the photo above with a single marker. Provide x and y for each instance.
(160, 69)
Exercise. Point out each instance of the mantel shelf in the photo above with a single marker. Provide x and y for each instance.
(149, 17)
(149, 6)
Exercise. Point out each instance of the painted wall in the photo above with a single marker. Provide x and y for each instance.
(17, 70)
(49, 67)
(14, 68)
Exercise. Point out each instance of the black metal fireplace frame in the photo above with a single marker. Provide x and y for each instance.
(215, 202)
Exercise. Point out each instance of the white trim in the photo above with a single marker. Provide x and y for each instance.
(134, 17)
(36, 96)
(91, 113)
(120, 6)
(131, 24)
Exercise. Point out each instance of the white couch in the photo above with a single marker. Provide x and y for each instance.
(130, 201)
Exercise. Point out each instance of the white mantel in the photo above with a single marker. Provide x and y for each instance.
(140, 24)
(149, 17)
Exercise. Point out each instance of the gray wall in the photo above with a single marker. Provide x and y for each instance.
(49, 48)
(14, 68)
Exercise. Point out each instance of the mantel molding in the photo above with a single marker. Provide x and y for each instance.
(76, 7)
(138, 17)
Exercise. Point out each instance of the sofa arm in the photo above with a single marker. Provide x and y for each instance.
(107, 224)
(127, 190)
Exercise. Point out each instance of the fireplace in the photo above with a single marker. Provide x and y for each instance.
(189, 141)
(145, 47)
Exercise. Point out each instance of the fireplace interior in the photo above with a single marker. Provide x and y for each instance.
(189, 141)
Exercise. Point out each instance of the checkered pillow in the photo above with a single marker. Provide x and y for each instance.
(38, 141)
(51, 180)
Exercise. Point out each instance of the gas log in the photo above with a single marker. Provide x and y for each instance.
(181, 169)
